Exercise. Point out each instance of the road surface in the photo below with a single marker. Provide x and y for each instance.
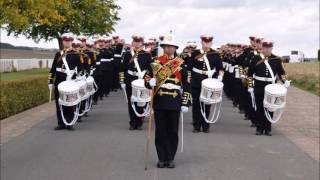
(102, 148)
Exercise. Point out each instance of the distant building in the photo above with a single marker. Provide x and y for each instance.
(296, 56)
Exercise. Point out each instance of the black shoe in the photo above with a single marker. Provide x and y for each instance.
(171, 164)
(258, 133)
(59, 128)
(101, 98)
(161, 164)
(131, 128)
(95, 102)
(196, 130)
(139, 128)
(85, 115)
(206, 130)
(268, 133)
(70, 128)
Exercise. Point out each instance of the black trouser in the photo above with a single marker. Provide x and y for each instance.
(68, 112)
(107, 79)
(198, 120)
(135, 121)
(98, 79)
(250, 111)
(261, 120)
(116, 80)
(166, 133)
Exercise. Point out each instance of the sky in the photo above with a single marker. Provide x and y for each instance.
(291, 24)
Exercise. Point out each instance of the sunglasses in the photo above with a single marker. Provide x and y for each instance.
(67, 39)
(206, 39)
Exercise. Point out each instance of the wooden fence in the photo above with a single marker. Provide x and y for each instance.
(10, 65)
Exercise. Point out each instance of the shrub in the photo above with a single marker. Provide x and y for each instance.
(20, 95)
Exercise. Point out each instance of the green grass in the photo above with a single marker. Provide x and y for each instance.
(304, 76)
(24, 74)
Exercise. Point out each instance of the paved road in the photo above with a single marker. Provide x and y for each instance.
(102, 148)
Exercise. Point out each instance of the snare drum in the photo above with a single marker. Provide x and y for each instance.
(90, 85)
(82, 89)
(69, 93)
(211, 91)
(274, 97)
(140, 93)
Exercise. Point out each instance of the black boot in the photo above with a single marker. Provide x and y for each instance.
(259, 133)
(70, 128)
(206, 130)
(161, 164)
(59, 127)
(196, 130)
(268, 133)
(171, 164)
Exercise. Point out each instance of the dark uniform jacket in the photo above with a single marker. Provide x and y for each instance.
(197, 62)
(73, 60)
(167, 98)
(258, 68)
(128, 66)
(106, 58)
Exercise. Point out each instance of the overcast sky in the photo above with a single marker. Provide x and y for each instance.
(291, 24)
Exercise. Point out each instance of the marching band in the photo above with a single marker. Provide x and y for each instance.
(159, 82)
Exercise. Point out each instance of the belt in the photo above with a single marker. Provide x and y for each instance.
(117, 55)
(98, 63)
(106, 60)
(135, 73)
(170, 86)
(266, 79)
(201, 71)
(64, 70)
(173, 94)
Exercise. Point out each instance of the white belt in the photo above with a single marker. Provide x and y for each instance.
(266, 79)
(201, 71)
(98, 63)
(117, 55)
(135, 73)
(224, 64)
(231, 69)
(106, 60)
(64, 70)
(170, 86)
(227, 66)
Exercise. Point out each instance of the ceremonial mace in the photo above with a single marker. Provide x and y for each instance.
(149, 132)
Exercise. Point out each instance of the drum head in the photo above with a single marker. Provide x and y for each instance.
(276, 89)
(68, 86)
(90, 79)
(138, 83)
(212, 83)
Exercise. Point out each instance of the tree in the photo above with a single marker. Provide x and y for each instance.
(48, 19)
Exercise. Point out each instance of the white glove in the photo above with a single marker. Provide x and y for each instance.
(152, 82)
(287, 83)
(50, 86)
(210, 74)
(184, 109)
(220, 78)
(123, 85)
(250, 90)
